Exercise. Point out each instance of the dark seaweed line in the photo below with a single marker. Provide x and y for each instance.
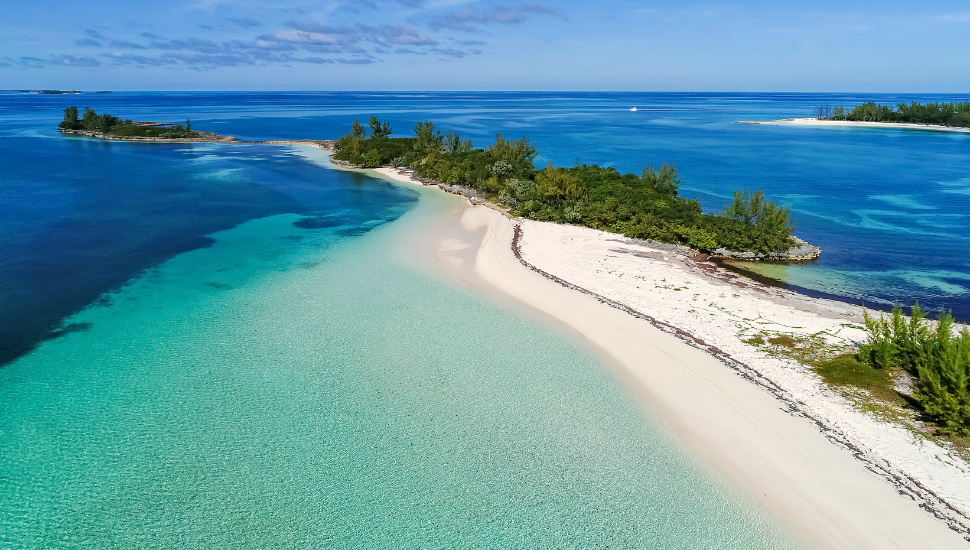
(904, 484)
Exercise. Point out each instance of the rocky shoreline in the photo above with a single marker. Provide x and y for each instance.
(200, 137)
(801, 252)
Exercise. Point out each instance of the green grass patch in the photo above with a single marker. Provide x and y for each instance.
(847, 371)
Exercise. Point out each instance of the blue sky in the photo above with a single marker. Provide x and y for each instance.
(458, 45)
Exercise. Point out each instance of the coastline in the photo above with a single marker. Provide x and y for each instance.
(858, 124)
(733, 405)
(835, 476)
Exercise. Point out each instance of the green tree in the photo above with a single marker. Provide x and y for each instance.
(665, 180)
(70, 114)
(379, 130)
(936, 357)
(429, 139)
(357, 130)
(454, 144)
(70, 119)
(518, 153)
(90, 118)
(558, 183)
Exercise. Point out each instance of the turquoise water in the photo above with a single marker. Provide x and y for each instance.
(214, 346)
(300, 387)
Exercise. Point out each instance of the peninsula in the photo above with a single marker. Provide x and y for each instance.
(645, 206)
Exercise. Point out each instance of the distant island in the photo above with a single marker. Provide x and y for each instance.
(644, 206)
(57, 92)
(934, 116)
(111, 127)
(935, 113)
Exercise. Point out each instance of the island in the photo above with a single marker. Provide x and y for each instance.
(933, 116)
(107, 126)
(110, 127)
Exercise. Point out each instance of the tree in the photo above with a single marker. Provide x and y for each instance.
(188, 126)
(357, 131)
(752, 209)
(90, 118)
(559, 183)
(429, 139)
(379, 130)
(70, 114)
(454, 144)
(665, 181)
(519, 154)
(938, 358)
(70, 119)
(823, 111)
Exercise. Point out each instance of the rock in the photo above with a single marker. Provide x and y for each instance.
(801, 252)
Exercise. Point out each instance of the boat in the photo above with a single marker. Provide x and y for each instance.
(634, 109)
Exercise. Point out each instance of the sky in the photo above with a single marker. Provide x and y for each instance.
(844, 46)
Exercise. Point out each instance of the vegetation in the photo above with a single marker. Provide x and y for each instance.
(938, 359)
(644, 206)
(112, 125)
(944, 114)
(848, 370)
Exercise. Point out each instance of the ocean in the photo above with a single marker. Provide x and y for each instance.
(211, 345)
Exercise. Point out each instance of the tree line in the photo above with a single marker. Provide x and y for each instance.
(940, 113)
(642, 206)
(109, 124)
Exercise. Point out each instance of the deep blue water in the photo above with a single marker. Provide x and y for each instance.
(79, 217)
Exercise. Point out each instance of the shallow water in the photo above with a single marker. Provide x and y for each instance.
(293, 386)
(213, 345)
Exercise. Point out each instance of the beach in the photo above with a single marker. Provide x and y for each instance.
(671, 330)
(860, 124)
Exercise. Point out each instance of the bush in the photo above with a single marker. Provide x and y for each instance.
(939, 360)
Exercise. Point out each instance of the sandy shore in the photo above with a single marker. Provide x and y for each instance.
(672, 329)
(843, 123)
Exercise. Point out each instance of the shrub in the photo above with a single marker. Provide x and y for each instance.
(939, 359)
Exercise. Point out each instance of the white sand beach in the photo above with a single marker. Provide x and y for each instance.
(860, 124)
(671, 330)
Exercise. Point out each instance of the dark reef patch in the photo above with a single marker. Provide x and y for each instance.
(69, 329)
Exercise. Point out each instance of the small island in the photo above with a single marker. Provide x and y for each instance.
(107, 126)
(932, 116)
(645, 206)
(951, 114)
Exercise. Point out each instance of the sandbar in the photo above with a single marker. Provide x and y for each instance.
(833, 476)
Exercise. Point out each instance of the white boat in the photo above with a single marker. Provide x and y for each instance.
(634, 109)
